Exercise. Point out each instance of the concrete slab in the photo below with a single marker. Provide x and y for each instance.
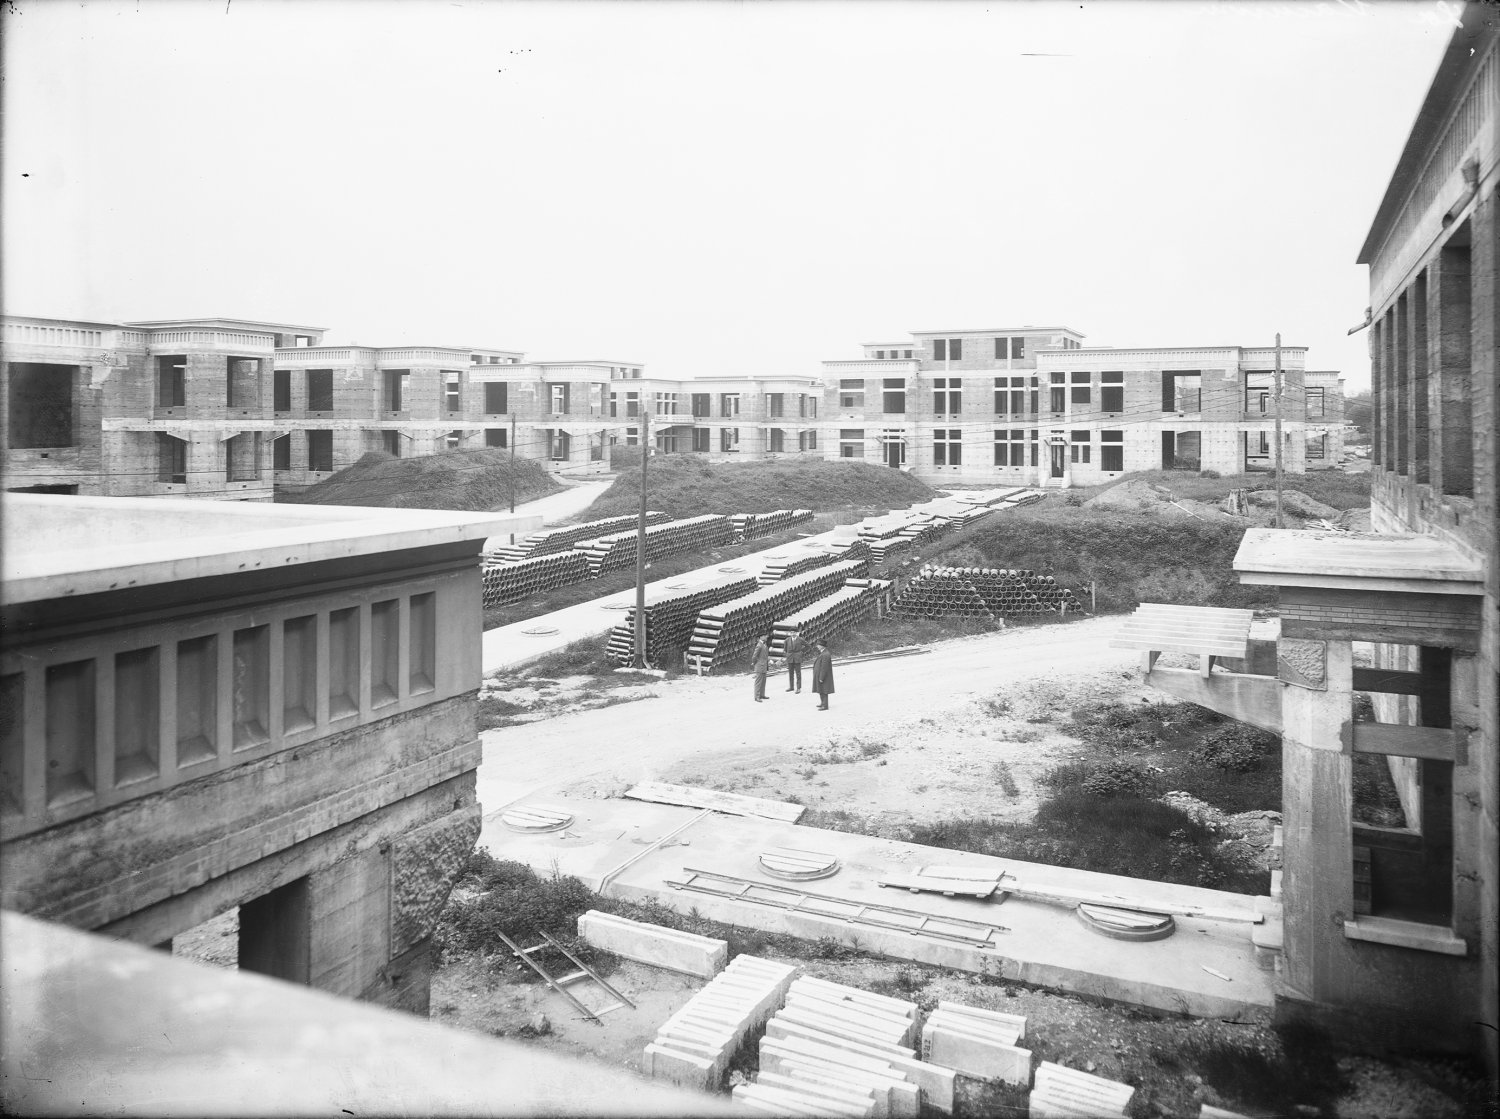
(654, 945)
(858, 995)
(1046, 944)
(1064, 1093)
(1017, 1022)
(900, 1098)
(935, 1082)
(679, 1067)
(822, 1072)
(975, 1056)
(812, 1086)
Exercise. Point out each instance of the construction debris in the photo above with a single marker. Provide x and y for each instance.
(733, 803)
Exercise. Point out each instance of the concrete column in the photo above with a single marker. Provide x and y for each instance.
(1318, 884)
(349, 923)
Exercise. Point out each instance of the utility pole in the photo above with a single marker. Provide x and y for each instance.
(1276, 386)
(640, 541)
(512, 462)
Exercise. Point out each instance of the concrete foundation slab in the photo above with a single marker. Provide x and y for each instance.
(1046, 944)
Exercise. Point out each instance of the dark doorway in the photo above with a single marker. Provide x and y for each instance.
(275, 935)
(1059, 453)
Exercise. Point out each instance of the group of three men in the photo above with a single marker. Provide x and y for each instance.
(796, 648)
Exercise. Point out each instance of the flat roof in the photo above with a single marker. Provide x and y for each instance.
(269, 327)
(61, 546)
(1357, 561)
(1001, 330)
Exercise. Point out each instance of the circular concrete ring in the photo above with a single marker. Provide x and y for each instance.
(539, 631)
(1126, 924)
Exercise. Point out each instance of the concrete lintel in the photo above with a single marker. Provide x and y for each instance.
(1250, 699)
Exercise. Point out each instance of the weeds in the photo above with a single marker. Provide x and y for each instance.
(841, 751)
(1000, 773)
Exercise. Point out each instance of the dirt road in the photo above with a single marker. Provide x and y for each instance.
(696, 726)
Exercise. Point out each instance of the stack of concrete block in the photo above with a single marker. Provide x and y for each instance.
(978, 1043)
(843, 1037)
(1066, 1093)
(695, 1046)
(652, 944)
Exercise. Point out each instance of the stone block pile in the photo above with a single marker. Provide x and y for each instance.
(695, 1046)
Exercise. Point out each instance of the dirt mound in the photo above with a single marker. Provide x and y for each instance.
(1295, 502)
(461, 480)
(687, 486)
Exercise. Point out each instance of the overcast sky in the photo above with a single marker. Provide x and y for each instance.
(710, 188)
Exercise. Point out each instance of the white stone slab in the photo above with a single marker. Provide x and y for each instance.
(654, 945)
(680, 1068)
(935, 1081)
(1063, 1093)
(857, 994)
(975, 1056)
(1017, 1020)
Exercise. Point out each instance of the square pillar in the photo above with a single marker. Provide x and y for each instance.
(1318, 856)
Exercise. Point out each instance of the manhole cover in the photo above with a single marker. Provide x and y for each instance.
(790, 862)
(619, 606)
(1126, 924)
(731, 569)
(540, 631)
(535, 818)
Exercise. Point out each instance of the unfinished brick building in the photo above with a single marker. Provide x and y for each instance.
(1034, 406)
(1388, 927)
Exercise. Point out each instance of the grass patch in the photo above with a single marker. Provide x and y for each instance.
(1000, 774)
(493, 712)
(467, 480)
(1124, 553)
(689, 486)
(1115, 834)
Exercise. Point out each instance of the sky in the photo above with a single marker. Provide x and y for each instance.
(710, 188)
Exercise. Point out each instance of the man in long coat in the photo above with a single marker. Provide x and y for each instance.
(795, 649)
(822, 675)
(760, 660)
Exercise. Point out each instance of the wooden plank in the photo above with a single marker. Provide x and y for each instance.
(731, 803)
(1434, 743)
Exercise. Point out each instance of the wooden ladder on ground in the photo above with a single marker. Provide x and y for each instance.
(560, 983)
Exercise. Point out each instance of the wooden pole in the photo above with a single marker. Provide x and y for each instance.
(640, 541)
(512, 462)
(1277, 393)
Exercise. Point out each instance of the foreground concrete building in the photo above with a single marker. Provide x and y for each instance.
(206, 706)
(1389, 931)
(1035, 406)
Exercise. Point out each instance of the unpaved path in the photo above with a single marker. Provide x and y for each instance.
(934, 703)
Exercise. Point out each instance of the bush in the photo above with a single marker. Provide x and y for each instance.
(1101, 779)
(1237, 747)
(509, 897)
